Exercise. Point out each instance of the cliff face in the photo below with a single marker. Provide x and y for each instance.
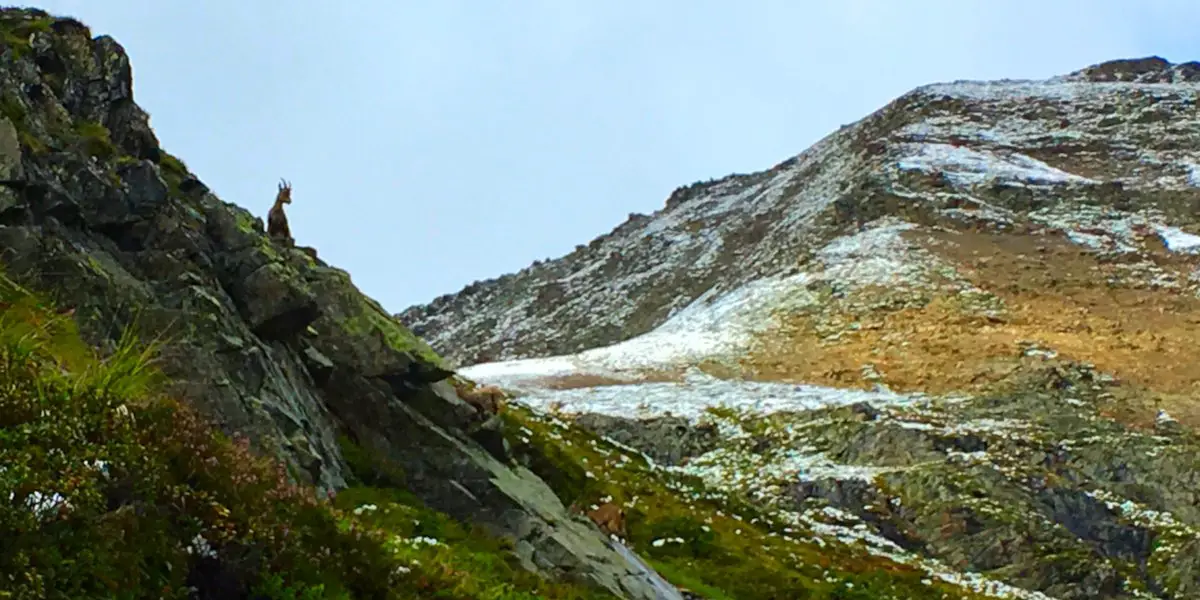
(263, 339)
(959, 334)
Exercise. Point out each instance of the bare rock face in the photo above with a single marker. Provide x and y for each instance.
(667, 440)
(266, 340)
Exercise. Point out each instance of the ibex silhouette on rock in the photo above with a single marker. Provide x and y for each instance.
(277, 223)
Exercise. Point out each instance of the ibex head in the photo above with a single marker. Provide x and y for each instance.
(285, 193)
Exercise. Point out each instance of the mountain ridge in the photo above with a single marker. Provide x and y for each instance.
(860, 143)
(958, 334)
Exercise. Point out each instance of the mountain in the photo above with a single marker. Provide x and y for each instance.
(937, 156)
(192, 409)
(956, 336)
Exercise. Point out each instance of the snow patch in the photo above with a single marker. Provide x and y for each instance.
(1178, 240)
(967, 166)
(724, 326)
(692, 397)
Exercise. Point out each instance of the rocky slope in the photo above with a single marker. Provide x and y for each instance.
(939, 155)
(958, 334)
(261, 338)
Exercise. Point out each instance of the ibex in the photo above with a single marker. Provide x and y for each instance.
(277, 223)
(609, 517)
(487, 399)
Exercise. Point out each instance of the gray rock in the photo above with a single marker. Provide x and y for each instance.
(275, 303)
(667, 440)
(147, 190)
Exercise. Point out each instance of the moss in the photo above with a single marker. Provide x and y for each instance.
(31, 142)
(15, 31)
(172, 164)
(372, 318)
(14, 110)
(370, 468)
(95, 139)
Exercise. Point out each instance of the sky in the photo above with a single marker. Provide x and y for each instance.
(433, 144)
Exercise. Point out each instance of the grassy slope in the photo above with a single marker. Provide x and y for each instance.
(109, 490)
(718, 546)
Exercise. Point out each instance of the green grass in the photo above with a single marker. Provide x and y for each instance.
(105, 484)
(442, 558)
(12, 109)
(15, 32)
(174, 171)
(172, 165)
(464, 562)
(96, 140)
(730, 548)
(372, 318)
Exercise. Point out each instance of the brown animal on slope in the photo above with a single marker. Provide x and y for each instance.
(610, 518)
(277, 223)
(487, 399)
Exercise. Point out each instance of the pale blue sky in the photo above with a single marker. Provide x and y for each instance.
(435, 143)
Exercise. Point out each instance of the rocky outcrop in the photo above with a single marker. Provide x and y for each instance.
(666, 440)
(266, 340)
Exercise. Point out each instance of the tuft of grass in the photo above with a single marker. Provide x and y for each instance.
(174, 171)
(171, 164)
(96, 139)
(15, 32)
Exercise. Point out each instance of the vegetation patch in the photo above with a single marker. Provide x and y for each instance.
(16, 29)
(96, 139)
(174, 171)
(1044, 298)
(14, 110)
(439, 557)
(715, 544)
(373, 318)
(108, 489)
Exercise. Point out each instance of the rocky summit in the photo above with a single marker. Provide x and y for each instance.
(951, 346)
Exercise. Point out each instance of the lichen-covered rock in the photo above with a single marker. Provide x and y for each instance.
(667, 440)
(275, 303)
